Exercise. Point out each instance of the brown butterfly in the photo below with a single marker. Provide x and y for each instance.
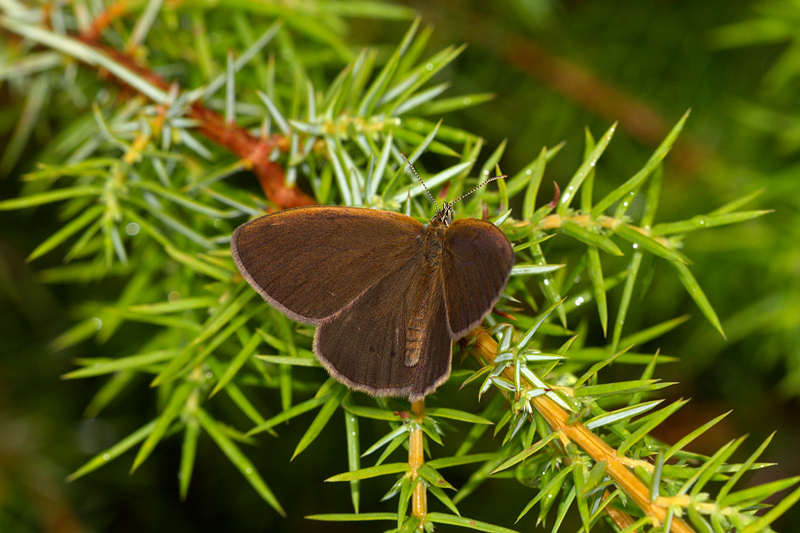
(388, 294)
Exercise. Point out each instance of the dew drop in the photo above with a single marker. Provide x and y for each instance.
(132, 228)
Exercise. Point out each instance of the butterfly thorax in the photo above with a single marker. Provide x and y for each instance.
(433, 238)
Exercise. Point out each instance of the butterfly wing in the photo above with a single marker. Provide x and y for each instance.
(364, 345)
(476, 262)
(433, 367)
(311, 262)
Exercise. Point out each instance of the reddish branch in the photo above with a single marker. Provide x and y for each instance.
(236, 139)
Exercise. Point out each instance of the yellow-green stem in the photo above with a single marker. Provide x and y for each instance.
(485, 348)
(416, 458)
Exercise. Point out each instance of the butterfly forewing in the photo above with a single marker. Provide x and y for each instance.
(476, 262)
(312, 262)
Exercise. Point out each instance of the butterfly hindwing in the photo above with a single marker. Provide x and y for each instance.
(365, 344)
(476, 261)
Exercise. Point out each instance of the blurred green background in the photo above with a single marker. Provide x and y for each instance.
(555, 68)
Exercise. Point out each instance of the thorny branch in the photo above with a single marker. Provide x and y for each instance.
(484, 348)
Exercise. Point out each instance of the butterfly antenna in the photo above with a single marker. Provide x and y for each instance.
(414, 170)
(476, 188)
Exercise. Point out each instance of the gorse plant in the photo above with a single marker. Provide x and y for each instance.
(150, 191)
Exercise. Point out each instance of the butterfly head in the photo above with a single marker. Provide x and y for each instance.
(445, 214)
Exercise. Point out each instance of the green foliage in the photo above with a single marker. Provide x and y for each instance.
(145, 202)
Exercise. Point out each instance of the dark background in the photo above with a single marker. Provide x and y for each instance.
(555, 67)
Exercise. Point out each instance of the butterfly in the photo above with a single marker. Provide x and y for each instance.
(387, 294)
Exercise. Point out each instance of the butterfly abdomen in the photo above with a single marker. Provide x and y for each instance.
(429, 291)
